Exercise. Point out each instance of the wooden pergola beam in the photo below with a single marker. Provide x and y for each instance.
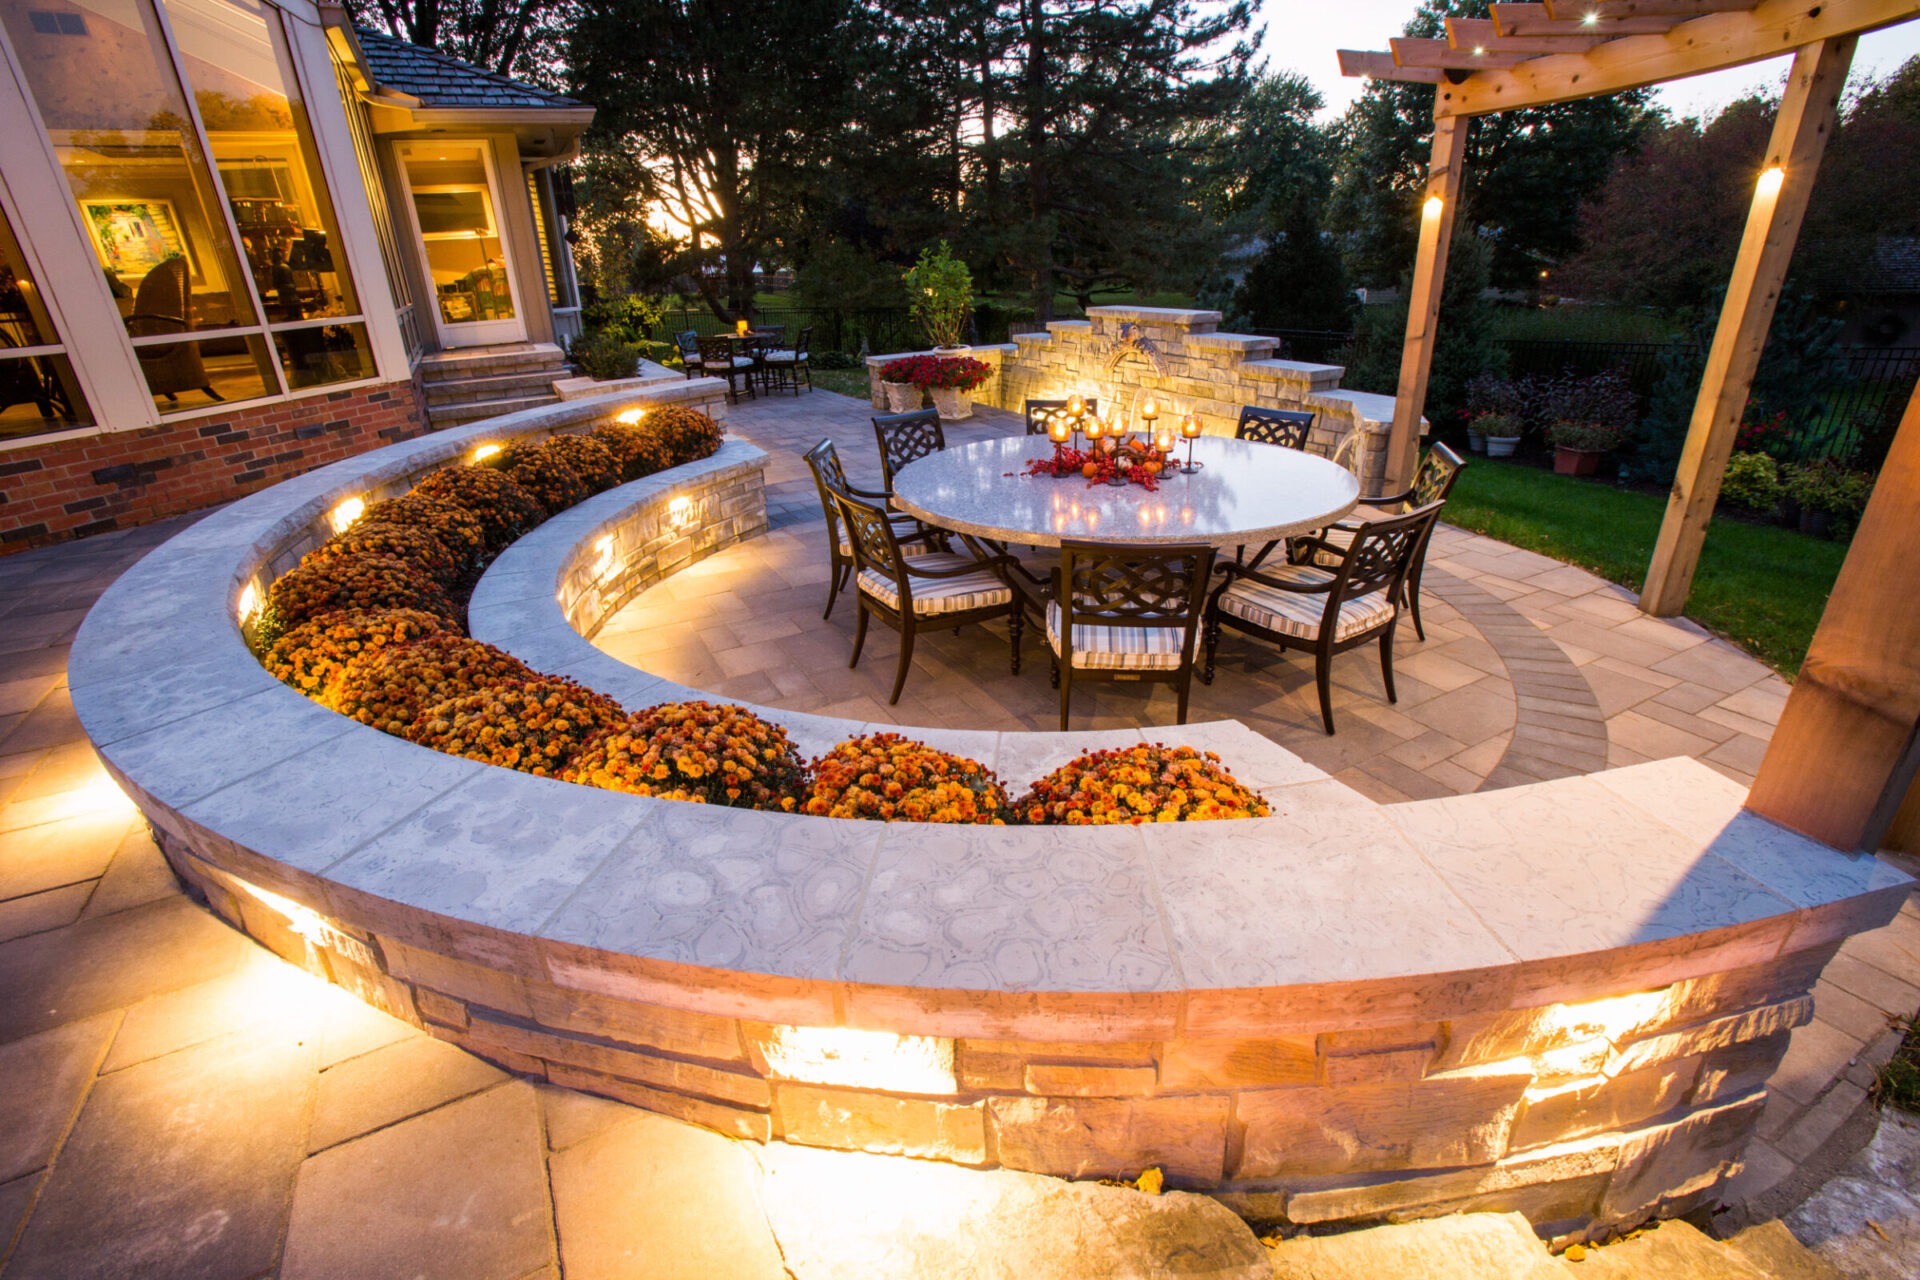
(1411, 52)
(1576, 10)
(1480, 33)
(1437, 213)
(1534, 20)
(1844, 753)
(1800, 131)
(1381, 66)
(1698, 45)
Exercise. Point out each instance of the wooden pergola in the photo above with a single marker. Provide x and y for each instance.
(1847, 749)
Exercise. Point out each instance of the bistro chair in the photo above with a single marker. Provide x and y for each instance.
(1432, 484)
(907, 437)
(1126, 613)
(689, 343)
(939, 589)
(1283, 427)
(1325, 611)
(829, 477)
(786, 366)
(717, 360)
(1038, 411)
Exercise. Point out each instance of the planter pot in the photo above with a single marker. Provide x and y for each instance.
(1786, 510)
(1577, 462)
(953, 403)
(1476, 440)
(1502, 446)
(1817, 523)
(962, 349)
(902, 397)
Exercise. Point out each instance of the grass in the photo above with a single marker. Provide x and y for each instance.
(1898, 1082)
(1761, 586)
(848, 382)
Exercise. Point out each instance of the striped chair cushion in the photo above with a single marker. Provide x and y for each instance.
(1097, 647)
(932, 596)
(779, 355)
(911, 550)
(1293, 613)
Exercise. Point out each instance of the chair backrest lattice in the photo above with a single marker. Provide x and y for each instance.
(1434, 480)
(1379, 557)
(1122, 586)
(823, 460)
(1287, 428)
(716, 353)
(800, 344)
(874, 544)
(689, 343)
(1040, 411)
(905, 438)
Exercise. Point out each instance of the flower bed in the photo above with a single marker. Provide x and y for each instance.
(370, 625)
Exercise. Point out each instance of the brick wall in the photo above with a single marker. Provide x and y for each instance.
(72, 488)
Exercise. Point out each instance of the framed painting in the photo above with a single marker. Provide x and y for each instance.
(135, 236)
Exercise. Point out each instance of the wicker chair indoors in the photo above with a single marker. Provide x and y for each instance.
(1325, 611)
(939, 589)
(823, 460)
(1126, 613)
(1432, 484)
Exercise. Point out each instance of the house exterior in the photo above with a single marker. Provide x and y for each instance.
(240, 239)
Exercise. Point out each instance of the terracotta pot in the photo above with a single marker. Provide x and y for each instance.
(902, 397)
(1577, 462)
(953, 403)
(1502, 446)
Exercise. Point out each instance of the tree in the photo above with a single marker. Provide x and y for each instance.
(1464, 348)
(1297, 282)
(728, 129)
(514, 37)
(1527, 171)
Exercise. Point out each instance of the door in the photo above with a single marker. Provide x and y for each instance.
(453, 201)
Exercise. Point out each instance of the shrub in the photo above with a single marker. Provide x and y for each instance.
(1147, 783)
(637, 450)
(1501, 425)
(1586, 435)
(416, 544)
(1752, 481)
(1826, 485)
(590, 459)
(940, 295)
(704, 752)
(687, 435)
(544, 473)
(536, 725)
(958, 373)
(604, 356)
(504, 509)
(311, 657)
(458, 529)
(887, 778)
(390, 687)
(835, 360)
(348, 583)
(630, 317)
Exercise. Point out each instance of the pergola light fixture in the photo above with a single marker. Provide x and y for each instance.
(1591, 18)
(1770, 180)
(1433, 206)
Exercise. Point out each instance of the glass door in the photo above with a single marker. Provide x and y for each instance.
(454, 197)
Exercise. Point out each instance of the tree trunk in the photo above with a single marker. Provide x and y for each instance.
(1039, 185)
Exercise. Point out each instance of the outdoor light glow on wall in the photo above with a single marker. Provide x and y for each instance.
(604, 565)
(249, 602)
(346, 513)
(679, 511)
(1433, 206)
(627, 417)
(485, 451)
(862, 1059)
(1770, 180)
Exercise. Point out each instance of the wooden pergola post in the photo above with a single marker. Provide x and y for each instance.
(1437, 213)
(1845, 753)
(1806, 119)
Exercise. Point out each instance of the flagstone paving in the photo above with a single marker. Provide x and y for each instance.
(178, 1102)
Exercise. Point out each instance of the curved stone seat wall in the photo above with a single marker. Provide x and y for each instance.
(1563, 998)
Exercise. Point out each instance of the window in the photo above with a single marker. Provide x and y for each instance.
(382, 216)
(38, 391)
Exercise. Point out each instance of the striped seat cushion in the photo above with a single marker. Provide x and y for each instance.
(911, 550)
(933, 596)
(781, 355)
(1097, 647)
(1298, 614)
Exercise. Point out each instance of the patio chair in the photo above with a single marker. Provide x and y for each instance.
(1038, 411)
(717, 360)
(688, 342)
(829, 477)
(1284, 427)
(1325, 611)
(1432, 483)
(937, 589)
(1126, 613)
(786, 366)
(907, 437)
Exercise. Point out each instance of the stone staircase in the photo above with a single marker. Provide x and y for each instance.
(482, 382)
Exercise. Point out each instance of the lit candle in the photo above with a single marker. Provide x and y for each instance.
(741, 327)
(1094, 427)
(1190, 425)
(1059, 428)
(1163, 439)
(1076, 406)
(1149, 411)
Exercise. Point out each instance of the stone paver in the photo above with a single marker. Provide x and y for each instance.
(180, 1103)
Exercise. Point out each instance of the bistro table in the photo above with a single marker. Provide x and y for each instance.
(1247, 495)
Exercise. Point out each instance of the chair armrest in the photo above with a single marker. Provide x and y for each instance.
(1281, 584)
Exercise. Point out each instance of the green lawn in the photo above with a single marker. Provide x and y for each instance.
(1759, 585)
(848, 382)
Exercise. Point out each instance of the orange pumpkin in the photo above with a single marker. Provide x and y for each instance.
(1090, 470)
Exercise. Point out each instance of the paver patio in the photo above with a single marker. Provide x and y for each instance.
(179, 1102)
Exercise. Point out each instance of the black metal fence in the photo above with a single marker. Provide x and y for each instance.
(874, 330)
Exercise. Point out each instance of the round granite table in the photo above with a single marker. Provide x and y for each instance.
(1247, 494)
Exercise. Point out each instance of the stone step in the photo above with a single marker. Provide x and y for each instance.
(531, 357)
(492, 387)
(458, 415)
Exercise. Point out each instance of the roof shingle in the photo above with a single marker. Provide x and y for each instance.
(441, 81)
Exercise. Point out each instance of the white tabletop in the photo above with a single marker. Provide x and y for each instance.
(1246, 494)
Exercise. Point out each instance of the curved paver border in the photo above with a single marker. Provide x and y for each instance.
(1295, 1007)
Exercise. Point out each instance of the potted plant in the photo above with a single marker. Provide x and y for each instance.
(1502, 432)
(1831, 498)
(1578, 447)
(940, 290)
(902, 381)
(950, 383)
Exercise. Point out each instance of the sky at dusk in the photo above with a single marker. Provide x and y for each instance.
(1301, 35)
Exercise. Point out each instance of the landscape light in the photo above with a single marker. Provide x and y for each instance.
(346, 513)
(1770, 180)
(1433, 206)
(628, 417)
(249, 602)
(679, 511)
(485, 451)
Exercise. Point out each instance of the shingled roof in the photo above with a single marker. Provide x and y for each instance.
(443, 82)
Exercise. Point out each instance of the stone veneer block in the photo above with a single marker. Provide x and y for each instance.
(1113, 1137)
(864, 1121)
